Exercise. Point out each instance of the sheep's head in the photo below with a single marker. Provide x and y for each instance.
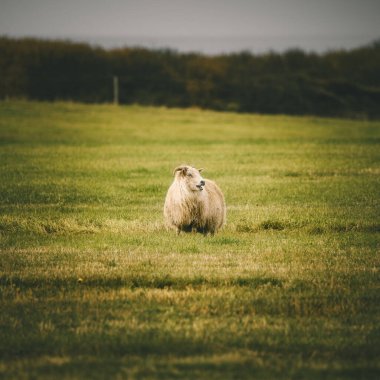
(191, 176)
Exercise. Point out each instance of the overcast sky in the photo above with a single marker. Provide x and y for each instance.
(169, 18)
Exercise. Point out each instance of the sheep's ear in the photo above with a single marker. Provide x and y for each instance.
(182, 169)
(200, 170)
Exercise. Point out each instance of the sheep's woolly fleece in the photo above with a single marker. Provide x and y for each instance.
(193, 203)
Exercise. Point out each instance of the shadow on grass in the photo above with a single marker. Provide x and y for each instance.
(195, 368)
(277, 225)
(159, 282)
(152, 367)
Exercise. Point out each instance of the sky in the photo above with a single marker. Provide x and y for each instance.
(326, 20)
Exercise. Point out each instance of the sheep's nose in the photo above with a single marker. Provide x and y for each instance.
(203, 183)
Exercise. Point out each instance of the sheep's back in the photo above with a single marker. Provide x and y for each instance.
(215, 203)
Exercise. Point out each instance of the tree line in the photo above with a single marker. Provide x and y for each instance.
(337, 83)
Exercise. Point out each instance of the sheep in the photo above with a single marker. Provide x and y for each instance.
(193, 203)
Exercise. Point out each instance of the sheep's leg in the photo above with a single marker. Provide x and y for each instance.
(209, 231)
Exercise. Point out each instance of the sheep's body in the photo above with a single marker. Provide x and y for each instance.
(190, 207)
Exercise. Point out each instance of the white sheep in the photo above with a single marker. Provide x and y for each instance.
(193, 203)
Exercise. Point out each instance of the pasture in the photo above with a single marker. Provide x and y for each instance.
(93, 286)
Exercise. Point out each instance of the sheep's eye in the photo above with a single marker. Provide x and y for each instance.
(189, 175)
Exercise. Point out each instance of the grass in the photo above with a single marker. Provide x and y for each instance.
(93, 286)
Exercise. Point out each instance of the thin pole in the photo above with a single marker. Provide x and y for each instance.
(115, 90)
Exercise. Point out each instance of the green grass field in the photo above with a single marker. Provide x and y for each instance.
(93, 286)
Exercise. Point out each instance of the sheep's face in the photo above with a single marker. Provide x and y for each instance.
(191, 176)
